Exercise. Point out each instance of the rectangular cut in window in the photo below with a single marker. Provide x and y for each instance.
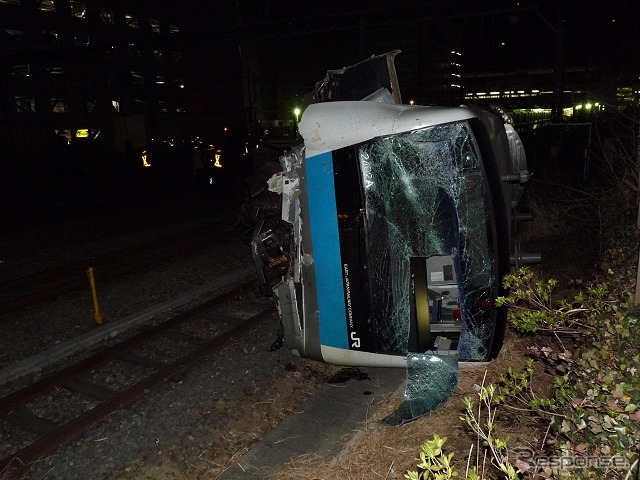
(25, 104)
(59, 105)
(46, 5)
(78, 9)
(137, 77)
(23, 70)
(56, 71)
(106, 15)
(425, 198)
(131, 21)
(53, 37)
(14, 34)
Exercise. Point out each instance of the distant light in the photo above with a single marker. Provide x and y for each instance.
(578, 107)
(494, 93)
(225, 129)
(503, 44)
(82, 133)
(411, 102)
(588, 106)
(143, 155)
(296, 112)
(535, 91)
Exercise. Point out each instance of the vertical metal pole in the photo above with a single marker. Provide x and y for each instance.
(97, 314)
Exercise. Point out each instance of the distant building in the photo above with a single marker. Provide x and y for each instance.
(108, 72)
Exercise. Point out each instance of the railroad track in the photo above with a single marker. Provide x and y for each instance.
(142, 363)
(21, 292)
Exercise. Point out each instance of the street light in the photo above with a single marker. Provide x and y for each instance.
(296, 112)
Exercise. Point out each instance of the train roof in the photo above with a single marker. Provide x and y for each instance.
(332, 125)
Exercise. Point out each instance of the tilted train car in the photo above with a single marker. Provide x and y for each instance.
(396, 226)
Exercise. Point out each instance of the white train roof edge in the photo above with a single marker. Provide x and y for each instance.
(332, 125)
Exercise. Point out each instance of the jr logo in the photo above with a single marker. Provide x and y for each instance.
(355, 340)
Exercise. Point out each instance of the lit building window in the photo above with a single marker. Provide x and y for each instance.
(157, 54)
(160, 79)
(21, 70)
(131, 21)
(137, 77)
(14, 34)
(12, 2)
(58, 105)
(115, 105)
(106, 15)
(162, 107)
(46, 5)
(53, 36)
(56, 71)
(25, 105)
(155, 25)
(138, 106)
(78, 9)
(174, 29)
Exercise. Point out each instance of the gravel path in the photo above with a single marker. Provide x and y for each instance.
(189, 429)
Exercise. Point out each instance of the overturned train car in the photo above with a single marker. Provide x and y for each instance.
(395, 233)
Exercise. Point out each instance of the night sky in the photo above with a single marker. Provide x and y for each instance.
(307, 38)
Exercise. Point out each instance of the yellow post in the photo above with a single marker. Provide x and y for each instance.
(97, 314)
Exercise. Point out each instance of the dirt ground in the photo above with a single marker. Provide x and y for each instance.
(204, 436)
(379, 451)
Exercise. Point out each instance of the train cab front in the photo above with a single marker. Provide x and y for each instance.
(395, 227)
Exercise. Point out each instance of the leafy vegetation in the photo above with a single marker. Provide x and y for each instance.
(593, 407)
(587, 342)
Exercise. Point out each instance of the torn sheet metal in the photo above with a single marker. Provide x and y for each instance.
(396, 223)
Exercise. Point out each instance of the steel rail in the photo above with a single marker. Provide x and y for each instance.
(22, 459)
(109, 266)
(19, 397)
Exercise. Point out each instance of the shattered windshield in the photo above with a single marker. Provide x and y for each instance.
(425, 197)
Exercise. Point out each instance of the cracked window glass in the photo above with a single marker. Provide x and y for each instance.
(428, 217)
(431, 380)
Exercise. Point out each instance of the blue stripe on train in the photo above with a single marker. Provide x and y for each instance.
(326, 251)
